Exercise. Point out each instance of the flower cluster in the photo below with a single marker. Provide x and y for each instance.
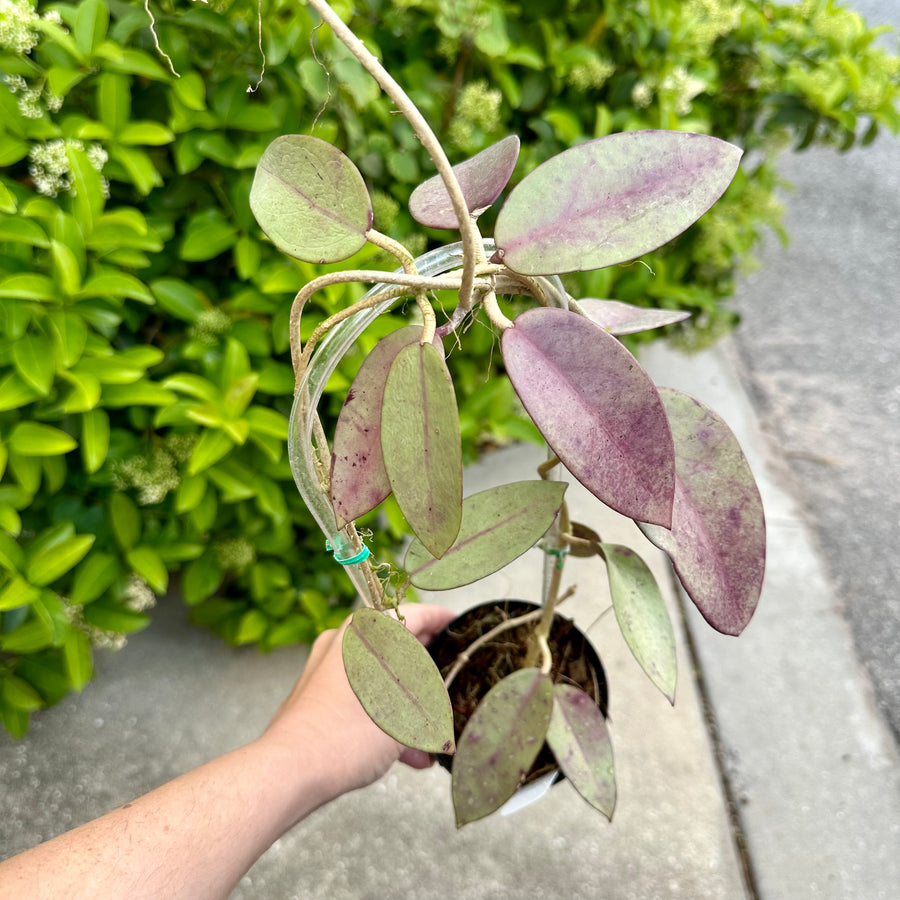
(235, 553)
(49, 165)
(152, 476)
(209, 325)
(138, 595)
(679, 87)
(591, 75)
(477, 108)
(32, 100)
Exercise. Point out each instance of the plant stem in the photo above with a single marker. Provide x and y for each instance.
(488, 636)
(468, 230)
(300, 356)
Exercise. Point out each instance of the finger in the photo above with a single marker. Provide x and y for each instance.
(416, 759)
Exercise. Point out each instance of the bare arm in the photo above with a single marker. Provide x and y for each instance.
(196, 836)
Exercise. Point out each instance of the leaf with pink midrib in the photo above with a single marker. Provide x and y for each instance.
(480, 178)
(359, 481)
(420, 440)
(597, 409)
(717, 542)
(611, 200)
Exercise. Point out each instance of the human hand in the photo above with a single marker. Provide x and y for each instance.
(323, 709)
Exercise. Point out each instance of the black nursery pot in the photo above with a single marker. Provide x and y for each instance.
(575, 661)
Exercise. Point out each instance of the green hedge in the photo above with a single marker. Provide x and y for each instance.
(144, 374)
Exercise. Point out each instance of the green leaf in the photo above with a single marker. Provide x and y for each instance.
(115, 618)
(207, 234)
(125, 520)
(359, 481)
(251, 628)
(95, 574)
(142, 393)
(91, 22)
(79, 659)
(66, 269)
(211, 447)
(642, 616)
(269, 422)
(114, 100)
(15, 392)
(138, 166)
(498, 525)
(190, 90)
(153, 134)
(179, 298)
(34, 359)
(17, 593)
(46, 568)
(579, 739)
(239, 395)
(310, 200)
(32, 636)
(69, 333)
(500, 742)
(189, 493)
(84, 393)
(94, 439)
(11, 554)
(23, 231)
(147, 563)
(397, 682)
(194, 386)
(421, 445)
(201, 579)
(35, 439)
(29, 287)
(116, 284)
(611, 200)
(19, 693)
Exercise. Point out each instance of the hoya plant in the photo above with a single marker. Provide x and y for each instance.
(652, 454)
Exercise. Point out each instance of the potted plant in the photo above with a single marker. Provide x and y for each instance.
(654, 455)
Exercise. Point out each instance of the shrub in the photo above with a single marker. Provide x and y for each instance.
(144, 375)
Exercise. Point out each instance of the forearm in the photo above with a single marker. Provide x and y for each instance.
(191, 838)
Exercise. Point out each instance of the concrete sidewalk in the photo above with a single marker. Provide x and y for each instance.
(811, 770)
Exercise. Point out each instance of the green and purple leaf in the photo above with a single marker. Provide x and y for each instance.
(580, 741)
(642, 616)
(481, 179)
(717, 541)
(420, 440)
(310, 200)
(359, 481)
(397, 682)
(498, 525)
(499, 743)
(624, 318)
(597, 409)
(611, 200)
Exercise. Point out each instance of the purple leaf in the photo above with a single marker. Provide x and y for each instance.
(499, 743)
(310, 199)
(421, 445)
(611, 200)
(580, 742)
(481, 179)
(498, 525)
(717, 541)
(596, 408)
(397, 682)
(359, 481)
(623, 318)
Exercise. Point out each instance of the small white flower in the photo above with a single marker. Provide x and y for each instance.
(17, 21)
